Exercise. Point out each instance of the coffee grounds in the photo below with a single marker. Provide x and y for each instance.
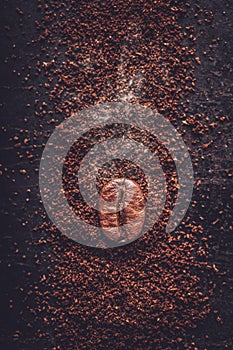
(147, 294)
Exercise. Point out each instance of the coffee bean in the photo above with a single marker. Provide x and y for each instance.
(122, 210)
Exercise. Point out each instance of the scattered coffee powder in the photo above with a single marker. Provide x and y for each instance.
(144, 295)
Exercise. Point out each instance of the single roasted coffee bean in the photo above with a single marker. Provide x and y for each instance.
(122, 210)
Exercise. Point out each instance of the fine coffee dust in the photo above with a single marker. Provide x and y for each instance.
(147, 294)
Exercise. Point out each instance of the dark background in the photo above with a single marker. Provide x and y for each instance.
(213, 97)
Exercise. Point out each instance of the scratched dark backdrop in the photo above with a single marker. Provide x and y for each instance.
(213, 96)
